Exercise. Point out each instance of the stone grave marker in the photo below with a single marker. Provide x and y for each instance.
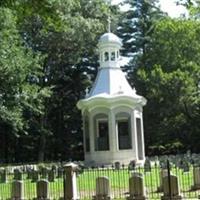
(35, 176)
(195, 158)
(163, 164)
(196, 178)
(172, 192)
(132, 165)
(163, 158)
(163, 173)
(18, 174)
(51, 175)
(44, 173)
(133, 174)
(29, 173)
(156, 159)
(147, 166)
(3, 176)
(102, 188)
(17, 190)
(55, 169)
(117, 165)
(136, 188)
(42, 190)
(186, 167)
(60, 172)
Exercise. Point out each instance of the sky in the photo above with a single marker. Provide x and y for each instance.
(168, 6)
(171, 8)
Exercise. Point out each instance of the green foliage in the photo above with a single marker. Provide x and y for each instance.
(61, 36)
(171, 85)
(20, 71)
(136, 27)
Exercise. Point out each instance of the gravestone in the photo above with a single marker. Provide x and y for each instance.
(44, 172)
(163, 164)
(136, 188)
(196, 178)
(147, 165)
(60, 172)
(3, 176)
(132, 165)
(29, 173)
(172, 159)
(35, 176)
(136, 174)
(54, 167)
(18, 174)
(188, 155)
(102, 188)
(117, 165)
(163, 173)
(171, 188)
(51, 175)
(17, 190)
(186, 167)
(42, 190)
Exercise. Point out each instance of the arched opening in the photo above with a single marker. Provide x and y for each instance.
(106, 56)
(101, 132)
(123, 129)
(117, 54)
(113, 56)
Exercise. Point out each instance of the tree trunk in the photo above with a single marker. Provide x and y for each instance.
(41, 153)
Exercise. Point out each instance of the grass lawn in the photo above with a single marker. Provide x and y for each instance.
(118, 181)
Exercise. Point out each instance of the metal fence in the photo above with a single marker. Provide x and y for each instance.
(118, 175)
(30, 175)
(119, 180)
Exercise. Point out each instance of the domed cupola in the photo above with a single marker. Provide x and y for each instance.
(112, 111)
(109, 46)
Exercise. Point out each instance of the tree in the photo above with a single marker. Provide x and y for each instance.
(171, 86)
(19, 92)
(135, 28)
(68, 38)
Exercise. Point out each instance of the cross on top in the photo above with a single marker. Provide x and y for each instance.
(109, 22)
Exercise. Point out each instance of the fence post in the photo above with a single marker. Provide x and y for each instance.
(171, 190)
(102, 188)
(169, 181)
(17, 190)
(70, 185)
(196, 177)
(42, 190)
(136, 187)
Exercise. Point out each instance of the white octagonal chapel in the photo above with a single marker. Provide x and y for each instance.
(112, 112)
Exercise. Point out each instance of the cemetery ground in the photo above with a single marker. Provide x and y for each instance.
(118, 177)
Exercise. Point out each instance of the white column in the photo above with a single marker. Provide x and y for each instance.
(84, 141)
(112, 132)
(142, 137)
(92, 133)
(134, 134)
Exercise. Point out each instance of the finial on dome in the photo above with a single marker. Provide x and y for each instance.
(87, 92)
(109, 22)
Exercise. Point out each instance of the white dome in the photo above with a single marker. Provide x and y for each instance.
(110, 37)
